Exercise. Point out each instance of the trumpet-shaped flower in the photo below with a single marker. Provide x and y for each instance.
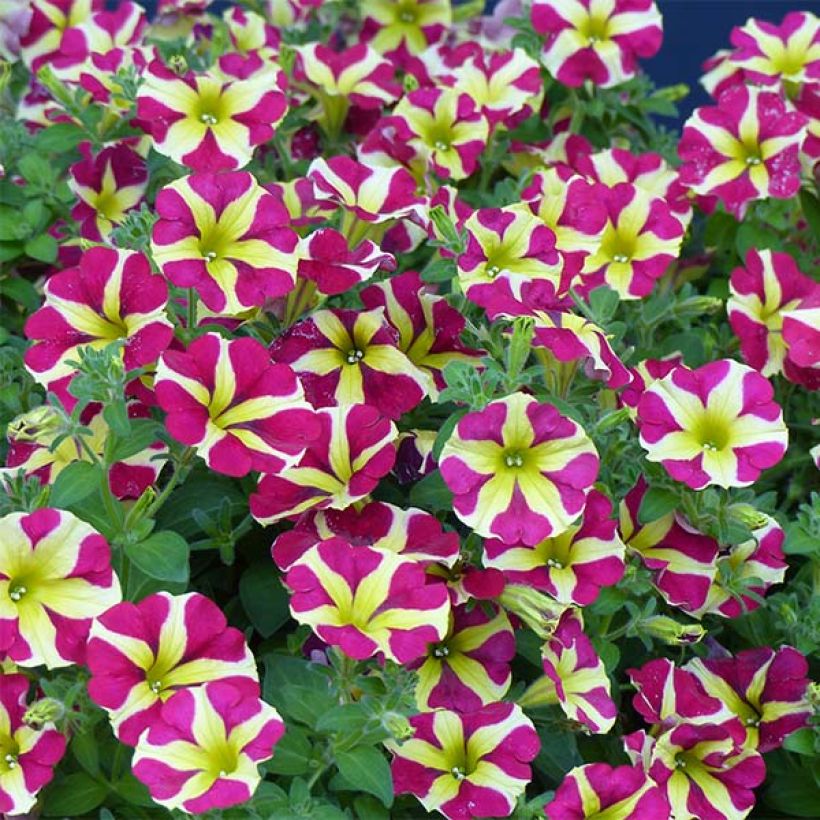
(55, 577)
(227, 237)
(704, 771)
(765, 688)
(750, 567)
(444, 129)
(241, 412)
(571, 566)
(107, 185)
(509, 251)
(35, 449)
(49, 20)
(29, 753)
(801, 333)
(140, 654)
(467, 765)
(641, 239)
(597, 40)
(744, 148)
(428, 327)
(771, 54)
(110, 296)
(355, 448)
(519, 470)
(470, 667)
(574, 678)
(352, 357)
(682, 560)
(413, 534)
(714, 425)
(367, 600)
(204, 750)
(600, 790)
(210, 121)
(406, 27)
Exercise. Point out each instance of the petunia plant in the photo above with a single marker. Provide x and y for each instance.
(401, 417)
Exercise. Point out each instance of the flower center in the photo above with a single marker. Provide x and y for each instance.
(441, 145)
(713, 434)
(514, 459)
(458, 772)
(595, 28)
(208, 118)
(440, 651)
(354, 356)
(17, 591)
(407, 16)
(155, 686)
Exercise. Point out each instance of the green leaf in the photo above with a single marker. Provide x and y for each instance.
(367, 808)
(133, 791)
(795, 793)
(292, 755)
(431, 493)
(750, 236)
(801, 742)
(144, 433)
(800, 542)
(59, 139)
(74, 795)
(201, 491)
(656, 504)
(811, 210)
(21, 290)
(75, 483)
(86, 750)
(346, 718)
(10, 250)
(264, 598)
(366, 768)
(163, 555)
(43, 248)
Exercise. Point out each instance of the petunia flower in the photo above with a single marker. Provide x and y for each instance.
(744, 148)
(761, 293)
(29, 753)
(600, 790)
(574, 678)
(204, 750)
(597, 40)
(508, 252)
(354, 450)
(240, 411)
(642, 375)
(107, 186)
(210, 121)
(251, 32)
(467, 765)
(788, 53)
(411, 533)
(226, 237)
(140, 654)
(367, 600)
(406, 27)
(519, 470)
(470, 667)
(34, 448)
(15, 21)
(750, 567)
(444, 129)
(352, 357)
(111, 295)
(801, 333)
(704, 771)
(49, 21)
(55, 577)
(572, 566)
(682, 560)
(714, 425)
(765, 688)
(641, 239)
(428, 327)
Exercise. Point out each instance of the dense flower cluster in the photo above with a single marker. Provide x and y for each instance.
(371, 424)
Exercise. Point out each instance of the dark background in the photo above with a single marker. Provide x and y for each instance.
(693, 31)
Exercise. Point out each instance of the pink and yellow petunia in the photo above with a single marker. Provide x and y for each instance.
(110, 296)
(744, 148)
(467, 765)
(107, 186)
(50, 19)
(470, 667)
(140, 654)
(30, 753)
(210, 121)
(519, 470)
(716, 425)
(404, 27)
(367, 600)
(801, 333)
(597, 40)
(354, 450)
(600, 790)
(352, 357)
(55, 577)
(226, 237)
(572, 566)
(240, 411)
(204, 750)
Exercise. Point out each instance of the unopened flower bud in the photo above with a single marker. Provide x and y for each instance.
(398, 725)
(538, 611)
(178, 64)
(540, 692)
(748, 515)
(46, 710)
(670, 631)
